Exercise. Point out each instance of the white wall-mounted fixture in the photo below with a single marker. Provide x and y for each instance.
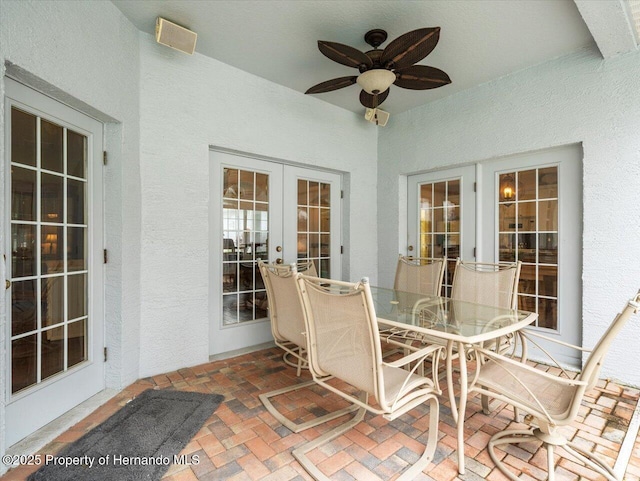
(174, 36)
(377, 116)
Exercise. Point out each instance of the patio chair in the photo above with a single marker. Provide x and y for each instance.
(287, 327)
(492, 284)
(345, 356)
(551, 400)
(422, 275)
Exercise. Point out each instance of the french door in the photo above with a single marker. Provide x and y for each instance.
(526, 207)
(54, 237)
(442, 217)
(264, 210)
(532, 210)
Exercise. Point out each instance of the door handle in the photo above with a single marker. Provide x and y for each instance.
(278, 260)
(410, 248)
(7, 284)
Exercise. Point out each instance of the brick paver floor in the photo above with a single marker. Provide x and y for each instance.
(241, 441)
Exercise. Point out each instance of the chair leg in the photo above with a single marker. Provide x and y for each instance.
(514, 436)
(301, 453)
(297, 427)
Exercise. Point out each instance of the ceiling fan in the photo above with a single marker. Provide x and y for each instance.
(379, 69)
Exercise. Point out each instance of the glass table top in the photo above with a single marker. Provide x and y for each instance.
(446, 318)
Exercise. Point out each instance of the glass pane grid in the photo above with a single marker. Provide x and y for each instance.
(39, 251)
(314, 225)
(440, 224)
(528, 231)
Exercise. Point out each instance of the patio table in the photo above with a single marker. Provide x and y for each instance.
(456, 324)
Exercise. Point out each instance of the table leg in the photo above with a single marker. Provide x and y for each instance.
(452, 394)
(462, 405)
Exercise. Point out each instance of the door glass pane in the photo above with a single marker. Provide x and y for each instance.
(52, 354)
(23, 307)
(245, 242)
(52, 289)
(23, 194)
(23, 261)
(528, 231)
(77, 342)
(51, 144)
(314, 224)
(52, 189)
(23, 137)
(41, 248)
(76, 154)
(440, 224)
(24, 358)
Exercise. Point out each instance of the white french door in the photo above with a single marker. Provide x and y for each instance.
(54, 209)
(264, 210)
(532, 212)
(442, 217)
(526, 207)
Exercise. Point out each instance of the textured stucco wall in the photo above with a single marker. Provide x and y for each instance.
(577, 98)
(187, 104)
(86, 54)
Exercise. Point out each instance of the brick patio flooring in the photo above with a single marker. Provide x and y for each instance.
(242, 441)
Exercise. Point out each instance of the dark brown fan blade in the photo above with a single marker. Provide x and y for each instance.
(421, 77)
(410, 48)
(370, 101)
(345, 55)
(333, 84)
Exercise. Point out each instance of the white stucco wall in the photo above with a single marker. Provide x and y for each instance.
(86, 54)
(187, 104)
(577, 98)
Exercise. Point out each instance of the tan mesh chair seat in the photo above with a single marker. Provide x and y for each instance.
(287, 328)
(550, 400)
(344, 344)
(528, 388)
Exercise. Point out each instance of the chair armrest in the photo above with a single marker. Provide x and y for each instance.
(528, 333)
(422, 353)
(493, 356)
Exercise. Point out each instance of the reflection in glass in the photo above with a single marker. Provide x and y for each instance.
(547, 313)
(527, 284)
(52, 252)
(52, 352)
(51, 146)
(548, 248)
(507, 220)
(77, 342)
(507, 191)
(453, 193)
(314, 219)
(262, 187)
(23, 250)
(52, 300)
(303, 249)
(548, 281)
(76, 202)
(507, 247)
(548, 215)
(303, 219)
(23, 307)
(527, 216)
(526, 185)
(325, 220)
(76, 154)
(23, 194)
(325, 195)
(548, 183)
(247, 185)
(76, 252)
(23, 362)
(426, 196)
(52, 188)
(231, 188)
(23, 137)
(302, 192)
(439, 193)
(77, 295)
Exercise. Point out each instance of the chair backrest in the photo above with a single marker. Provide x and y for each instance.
(484, 283)
(591, 370)
(343, 339)
(422, 275)
(285, 311)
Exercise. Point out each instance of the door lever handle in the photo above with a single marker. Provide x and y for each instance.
(7, 284)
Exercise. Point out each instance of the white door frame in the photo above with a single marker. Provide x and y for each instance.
(29, 410)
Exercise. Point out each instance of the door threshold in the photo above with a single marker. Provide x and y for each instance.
(43, 436)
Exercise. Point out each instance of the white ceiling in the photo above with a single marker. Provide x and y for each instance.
(480, 40)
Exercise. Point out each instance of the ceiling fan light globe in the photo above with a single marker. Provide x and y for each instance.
(376, 80)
